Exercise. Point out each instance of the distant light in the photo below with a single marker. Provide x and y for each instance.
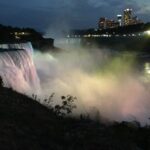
(68, 36)
(17, 37)
(147, 68)
(148, 71)
(128, 9)
(119, 15)
(147, 32)
(87, 36)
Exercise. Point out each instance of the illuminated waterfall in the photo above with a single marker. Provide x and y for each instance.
(17, 68)
(26, 46)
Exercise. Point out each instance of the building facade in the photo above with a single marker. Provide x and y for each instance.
(119, 19)
(102, 23)
(107, 23)
(127, 16)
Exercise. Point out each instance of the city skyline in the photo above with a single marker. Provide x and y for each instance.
(72, 14)
(125, 18)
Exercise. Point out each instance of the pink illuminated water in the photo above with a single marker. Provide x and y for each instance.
(17, 68)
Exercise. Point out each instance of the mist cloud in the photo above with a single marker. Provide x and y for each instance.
(108, 84)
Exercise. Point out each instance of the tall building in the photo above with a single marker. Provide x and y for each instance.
(111, 24)
(135, 20)
(122, 20)
(119, 19)
(107, 23)
(102, 23)
(127, 16)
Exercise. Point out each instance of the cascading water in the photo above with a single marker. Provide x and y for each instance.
(26, 46)
(17, 68)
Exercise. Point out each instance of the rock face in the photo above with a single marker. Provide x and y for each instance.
(44, 44)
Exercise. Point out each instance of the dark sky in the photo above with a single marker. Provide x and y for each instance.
(44, 14)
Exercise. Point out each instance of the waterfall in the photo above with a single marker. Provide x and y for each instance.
(26, 46)
(17, 68)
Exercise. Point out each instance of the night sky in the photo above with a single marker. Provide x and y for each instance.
(44, 14)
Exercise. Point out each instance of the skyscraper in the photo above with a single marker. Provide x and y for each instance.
(119, 19)
(127, 16)
(102, 23)
(107, 23)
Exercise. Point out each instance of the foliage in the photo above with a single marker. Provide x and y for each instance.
(26, 124)
(67, 105)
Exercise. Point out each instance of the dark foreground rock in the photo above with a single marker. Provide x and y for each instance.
(26, 124)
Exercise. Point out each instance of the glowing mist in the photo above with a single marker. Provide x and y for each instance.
(109, 84)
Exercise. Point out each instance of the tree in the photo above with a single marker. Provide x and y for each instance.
(67, 105)
(1, 82)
